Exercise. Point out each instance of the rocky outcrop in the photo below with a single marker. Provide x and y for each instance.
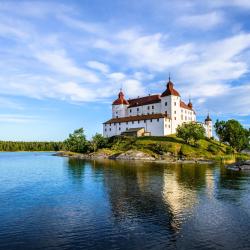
(132, 155)
(246, 151)
(242, 165)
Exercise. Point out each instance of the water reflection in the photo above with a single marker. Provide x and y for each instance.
(161, 202)
(76, 168)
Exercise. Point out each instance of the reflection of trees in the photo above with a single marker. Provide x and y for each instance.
(230, 183)
(75, 168)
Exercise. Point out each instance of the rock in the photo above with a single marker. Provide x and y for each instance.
(246, 151)
(242, 165)
(132, 155)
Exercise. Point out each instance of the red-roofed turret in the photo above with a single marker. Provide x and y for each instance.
(170, 90)
(121, 100)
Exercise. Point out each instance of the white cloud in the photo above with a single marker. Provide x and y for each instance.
(116, 76)
(16, 118)
(104, 68)
(202, 21)
(60, 62)
(10, 104)
(48, 65)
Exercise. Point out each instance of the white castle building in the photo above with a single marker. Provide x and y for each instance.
(156, 115)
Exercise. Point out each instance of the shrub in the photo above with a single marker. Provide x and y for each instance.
(229, 150)
(191, 132)
(98, 142)
(77, 142)
(212, 148)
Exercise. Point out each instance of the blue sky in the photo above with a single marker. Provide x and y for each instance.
(63, 62)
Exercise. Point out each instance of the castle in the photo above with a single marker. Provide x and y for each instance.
(156, 115)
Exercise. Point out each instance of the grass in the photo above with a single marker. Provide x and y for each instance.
(175, 147)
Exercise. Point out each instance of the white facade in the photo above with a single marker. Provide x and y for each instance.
(160, 115)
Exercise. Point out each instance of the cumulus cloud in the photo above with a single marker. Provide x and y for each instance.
(202, 21)
(104, 68)
(135, 58)
(17, 118)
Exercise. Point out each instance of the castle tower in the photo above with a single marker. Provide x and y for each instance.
(170, 104)
(209, 126)
(119, 106)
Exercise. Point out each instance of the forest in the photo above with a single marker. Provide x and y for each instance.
(30, 146)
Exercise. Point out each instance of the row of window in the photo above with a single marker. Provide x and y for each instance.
(189, 112)
(186, 118)
(132, 122)
(138, 109)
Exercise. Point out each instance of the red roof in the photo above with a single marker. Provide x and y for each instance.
(185, 106)
(120, 100)
(137, 118)
(170, 90)
(144, 100)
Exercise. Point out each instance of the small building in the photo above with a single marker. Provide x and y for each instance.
(158, 115)
(135, 132)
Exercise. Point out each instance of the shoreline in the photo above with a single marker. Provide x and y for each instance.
(137, 156)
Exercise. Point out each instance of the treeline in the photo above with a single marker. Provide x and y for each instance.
(30, 146)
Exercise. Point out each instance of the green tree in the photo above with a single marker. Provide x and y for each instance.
(232, 133)
(191, 132)
(77, 142)
(98, 141)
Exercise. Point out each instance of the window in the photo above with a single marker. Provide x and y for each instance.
(137, 109)
(148, 107)
(116, 112)
(105, 129)
(175, 111)
(166, 103)
(153, 107)
(130, 111)
(117, 116)
(119, 123)
(152, 112)
(158, 120)
(110, 129)
(126, 128)
(182, 117)
(169, 126)
(175, 118)
(110, 124)
(132, 122)
(174, 103)
(151, 120)
(119, 128)
(138, 122)
(127, 123)
(144, 121)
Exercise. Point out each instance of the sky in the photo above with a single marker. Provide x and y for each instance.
(63, 62)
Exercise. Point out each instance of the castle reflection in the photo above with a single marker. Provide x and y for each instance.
(160, 194)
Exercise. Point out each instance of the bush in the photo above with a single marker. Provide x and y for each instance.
(229, 150)
(98, 142)
(77, 142)
(212, 148)
(191, 132)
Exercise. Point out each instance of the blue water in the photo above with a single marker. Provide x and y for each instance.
(49, 202)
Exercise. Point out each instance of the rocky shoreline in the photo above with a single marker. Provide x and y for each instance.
(132, 155)
(238, 166)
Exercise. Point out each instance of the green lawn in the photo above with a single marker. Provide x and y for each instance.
(175, 147)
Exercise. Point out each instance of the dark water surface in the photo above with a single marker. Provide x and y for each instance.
(49, 202)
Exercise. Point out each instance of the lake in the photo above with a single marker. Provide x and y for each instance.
(49, 202)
